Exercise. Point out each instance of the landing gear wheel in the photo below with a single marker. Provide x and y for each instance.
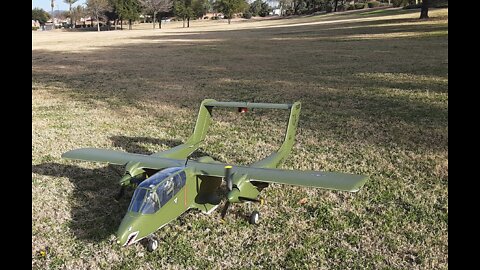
(254, 217)
(152, 244)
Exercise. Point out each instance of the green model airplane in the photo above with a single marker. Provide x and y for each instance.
(168, 183)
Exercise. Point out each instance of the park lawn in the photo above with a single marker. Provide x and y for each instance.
(374, 93)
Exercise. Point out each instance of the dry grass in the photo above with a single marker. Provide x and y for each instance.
(374, 90)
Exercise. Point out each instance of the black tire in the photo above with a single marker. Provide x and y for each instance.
(254, 217)
(152, 245)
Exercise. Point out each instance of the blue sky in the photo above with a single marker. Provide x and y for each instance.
(59, 4)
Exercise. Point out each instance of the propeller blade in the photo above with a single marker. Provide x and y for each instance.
(228, 177)
(249, 199)
(224, 210)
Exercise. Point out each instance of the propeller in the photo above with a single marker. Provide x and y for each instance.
(228, 180)
(233, 196)
(126, 180)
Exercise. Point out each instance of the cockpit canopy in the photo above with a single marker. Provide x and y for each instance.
(157, 190)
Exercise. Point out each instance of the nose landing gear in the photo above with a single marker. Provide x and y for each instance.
(152, 244)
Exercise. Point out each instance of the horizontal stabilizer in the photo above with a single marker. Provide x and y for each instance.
(250, 105)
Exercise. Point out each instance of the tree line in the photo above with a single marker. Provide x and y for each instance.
(120, 11)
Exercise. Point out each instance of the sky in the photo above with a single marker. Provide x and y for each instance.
(59, 4)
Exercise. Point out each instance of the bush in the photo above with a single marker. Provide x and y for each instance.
(341, 7)
(328, 9)
(205, 18)
(350, 7)
(35, 28)
(214, 17)
(359, 5)
(402, 3)
(247, 15)
(413, 6)
(373, 4)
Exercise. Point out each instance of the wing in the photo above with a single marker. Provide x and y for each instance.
(121, 158)
(319, 179)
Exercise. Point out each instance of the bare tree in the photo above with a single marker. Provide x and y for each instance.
(156, 6)
(96, 8)
(79, 12)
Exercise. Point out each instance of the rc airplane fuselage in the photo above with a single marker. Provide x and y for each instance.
(168, 183)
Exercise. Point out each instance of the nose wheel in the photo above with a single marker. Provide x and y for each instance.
(152, 244)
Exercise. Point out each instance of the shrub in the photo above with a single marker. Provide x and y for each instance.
(35, 28)
(341, 7)
(350, 7)
(247, 15)
(373, 4)
(401, 3)
(412, 6)
(359, 5)
(328, 9)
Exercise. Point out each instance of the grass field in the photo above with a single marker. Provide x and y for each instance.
(374, 93)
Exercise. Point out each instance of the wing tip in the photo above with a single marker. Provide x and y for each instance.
(358, 185)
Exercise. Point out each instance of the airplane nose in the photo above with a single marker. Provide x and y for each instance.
(127, 233)
(128, 238)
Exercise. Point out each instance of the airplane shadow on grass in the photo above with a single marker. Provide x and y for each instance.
(95, 212)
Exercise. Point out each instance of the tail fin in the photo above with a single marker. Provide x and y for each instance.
(276, 159)
(203, 122)
(201, 127)
(205, 118)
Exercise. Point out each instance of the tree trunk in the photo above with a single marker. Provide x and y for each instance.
(130, 24)
(160, 22)
(115, 23)
(121, 24)
(183, 22)
(188, 22)
(336, 4)
(98, 24)
(229, 20)
(424, 10)
(154, 17)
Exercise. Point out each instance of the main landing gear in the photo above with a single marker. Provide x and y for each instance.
(255, 216)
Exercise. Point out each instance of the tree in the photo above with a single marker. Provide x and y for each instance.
(128, 10)
(183, 9)
(156, 6)
(424, 10)
(70, 3)
(115, 6)
(40, 15)
(230, 7)
(199, 8)
(97, 8)
(255, 7)
(78, 12)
